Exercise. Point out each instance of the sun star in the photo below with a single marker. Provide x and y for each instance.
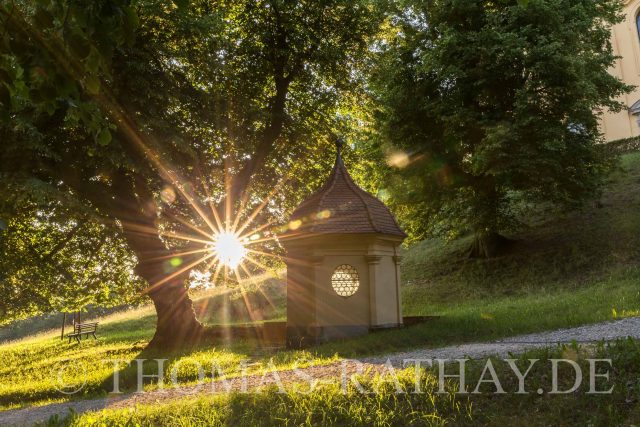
(229, 249)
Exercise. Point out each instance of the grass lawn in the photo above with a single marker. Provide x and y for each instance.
(566, 269)
(381, 403)
(28, 374)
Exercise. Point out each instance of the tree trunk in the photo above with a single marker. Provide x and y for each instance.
(176, 325)
(488, 244)
(488, 199)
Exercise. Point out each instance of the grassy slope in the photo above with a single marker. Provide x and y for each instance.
(226, 307)
(558, 252)
(574, 268)
(580, 268)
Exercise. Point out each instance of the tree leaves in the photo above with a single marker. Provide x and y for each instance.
(92, 85)
(5, 96)
(80, 46)
(181, 4)
(57, 258)
(204, 85)
(495, 105)
(104, 137)
(131, 24)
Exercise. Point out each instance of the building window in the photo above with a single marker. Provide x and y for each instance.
(345, 280)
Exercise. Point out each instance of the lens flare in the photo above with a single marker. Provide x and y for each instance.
(229, 249)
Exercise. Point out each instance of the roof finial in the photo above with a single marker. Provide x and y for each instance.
(339, 145)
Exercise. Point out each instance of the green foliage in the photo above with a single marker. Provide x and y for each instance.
(55, 262)
(58, 252)
(492, 104)
(51, 52)
(623, 146)
(108, 104)
(59, 257)
(197, 81)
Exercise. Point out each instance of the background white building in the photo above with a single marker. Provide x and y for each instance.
(625, 39)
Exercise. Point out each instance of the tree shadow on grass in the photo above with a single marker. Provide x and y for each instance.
(209, 352)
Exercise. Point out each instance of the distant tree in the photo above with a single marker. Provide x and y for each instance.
(147, 111)
(489, 103)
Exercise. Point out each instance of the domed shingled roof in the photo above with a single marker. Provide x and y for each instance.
(340, 206)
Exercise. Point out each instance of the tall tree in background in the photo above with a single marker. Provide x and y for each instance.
(122, 106)
(490, 102)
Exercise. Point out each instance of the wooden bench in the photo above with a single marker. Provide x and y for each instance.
(86, 329)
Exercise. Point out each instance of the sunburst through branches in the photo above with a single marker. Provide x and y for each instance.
(229, 249)
(237, 247)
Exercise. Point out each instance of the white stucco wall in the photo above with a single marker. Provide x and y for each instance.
(626, 44)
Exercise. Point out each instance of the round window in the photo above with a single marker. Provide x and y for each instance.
(345, 280)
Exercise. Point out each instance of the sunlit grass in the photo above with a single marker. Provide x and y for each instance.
(124, 335)
(382, 405)
(28, 372)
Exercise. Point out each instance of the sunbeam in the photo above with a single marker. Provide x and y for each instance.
(229, 249)
(179, 272)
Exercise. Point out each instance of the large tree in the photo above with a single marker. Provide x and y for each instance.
(491, 105)
(60, 257)
(122, 105)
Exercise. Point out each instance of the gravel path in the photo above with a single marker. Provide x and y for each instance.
(335, 372)
(608, 331)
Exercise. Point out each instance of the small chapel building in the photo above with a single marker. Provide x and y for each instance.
(343, 263)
